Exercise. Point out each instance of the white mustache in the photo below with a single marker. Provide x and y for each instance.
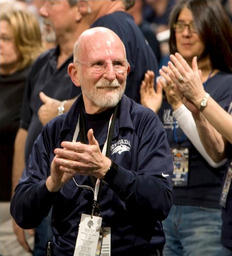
(106, 83)
(47, 22)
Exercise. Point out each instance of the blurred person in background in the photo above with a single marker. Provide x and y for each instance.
(48, 33)
(228, 7)
(194, 224)
(48, 79)
(136, 12)
(157, 12)
(20, 44)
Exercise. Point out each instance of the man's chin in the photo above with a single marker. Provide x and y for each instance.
(108, 102)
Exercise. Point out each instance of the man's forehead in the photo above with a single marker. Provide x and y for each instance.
(100, 51)
(100, 33)
(100, 40)
(101, 43)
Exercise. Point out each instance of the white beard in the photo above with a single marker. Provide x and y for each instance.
(108, 99)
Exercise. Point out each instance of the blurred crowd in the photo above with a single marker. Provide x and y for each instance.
(36, 44)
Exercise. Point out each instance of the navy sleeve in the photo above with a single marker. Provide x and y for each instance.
(30, 212)
(147, 191)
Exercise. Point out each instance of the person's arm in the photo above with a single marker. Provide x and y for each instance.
(19, 157)
(32, 187)
(147, 192)
(136, 188)
(17, 170)
(180, 74)
(153, 100)
(189, 83)
(212, 140)
(187, 124)
(219, 118)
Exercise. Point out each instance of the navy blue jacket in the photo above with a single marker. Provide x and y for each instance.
(136, 194)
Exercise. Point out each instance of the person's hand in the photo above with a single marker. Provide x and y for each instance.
(21, 236)
(187, 79)
(149, 97)
(77, 158)
(83, 159)
(48, 110)
(171, 91)
(57, 177)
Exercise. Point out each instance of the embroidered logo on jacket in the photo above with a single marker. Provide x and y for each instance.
(120, 146)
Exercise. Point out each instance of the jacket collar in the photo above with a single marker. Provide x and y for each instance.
(123, 118)
(54, 53)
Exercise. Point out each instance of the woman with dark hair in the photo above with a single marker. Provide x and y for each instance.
(211, 24)
(197, 28)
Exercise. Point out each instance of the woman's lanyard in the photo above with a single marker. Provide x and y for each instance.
(178, 139)
(209, 76)
(104, 152)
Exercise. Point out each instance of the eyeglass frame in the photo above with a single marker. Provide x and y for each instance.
(6, 39)
(191, 27)
(121, 69)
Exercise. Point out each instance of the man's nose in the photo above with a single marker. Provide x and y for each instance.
(110, 73)
(43, 10)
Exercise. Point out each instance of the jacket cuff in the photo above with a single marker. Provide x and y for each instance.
(111, 172)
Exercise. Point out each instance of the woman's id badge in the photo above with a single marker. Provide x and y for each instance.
(180, 171)
(226, 187)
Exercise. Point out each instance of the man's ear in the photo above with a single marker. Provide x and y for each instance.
(128, 69)
(83, 8)
(73, 73)
(78, 16)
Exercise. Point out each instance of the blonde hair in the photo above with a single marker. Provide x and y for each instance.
(26, 32)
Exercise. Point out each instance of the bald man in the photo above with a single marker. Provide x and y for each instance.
(112, 15)
(104, 167)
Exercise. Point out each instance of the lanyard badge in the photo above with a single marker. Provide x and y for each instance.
(88, 235)
(92, 238)
(181, 169)
(226, 187)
